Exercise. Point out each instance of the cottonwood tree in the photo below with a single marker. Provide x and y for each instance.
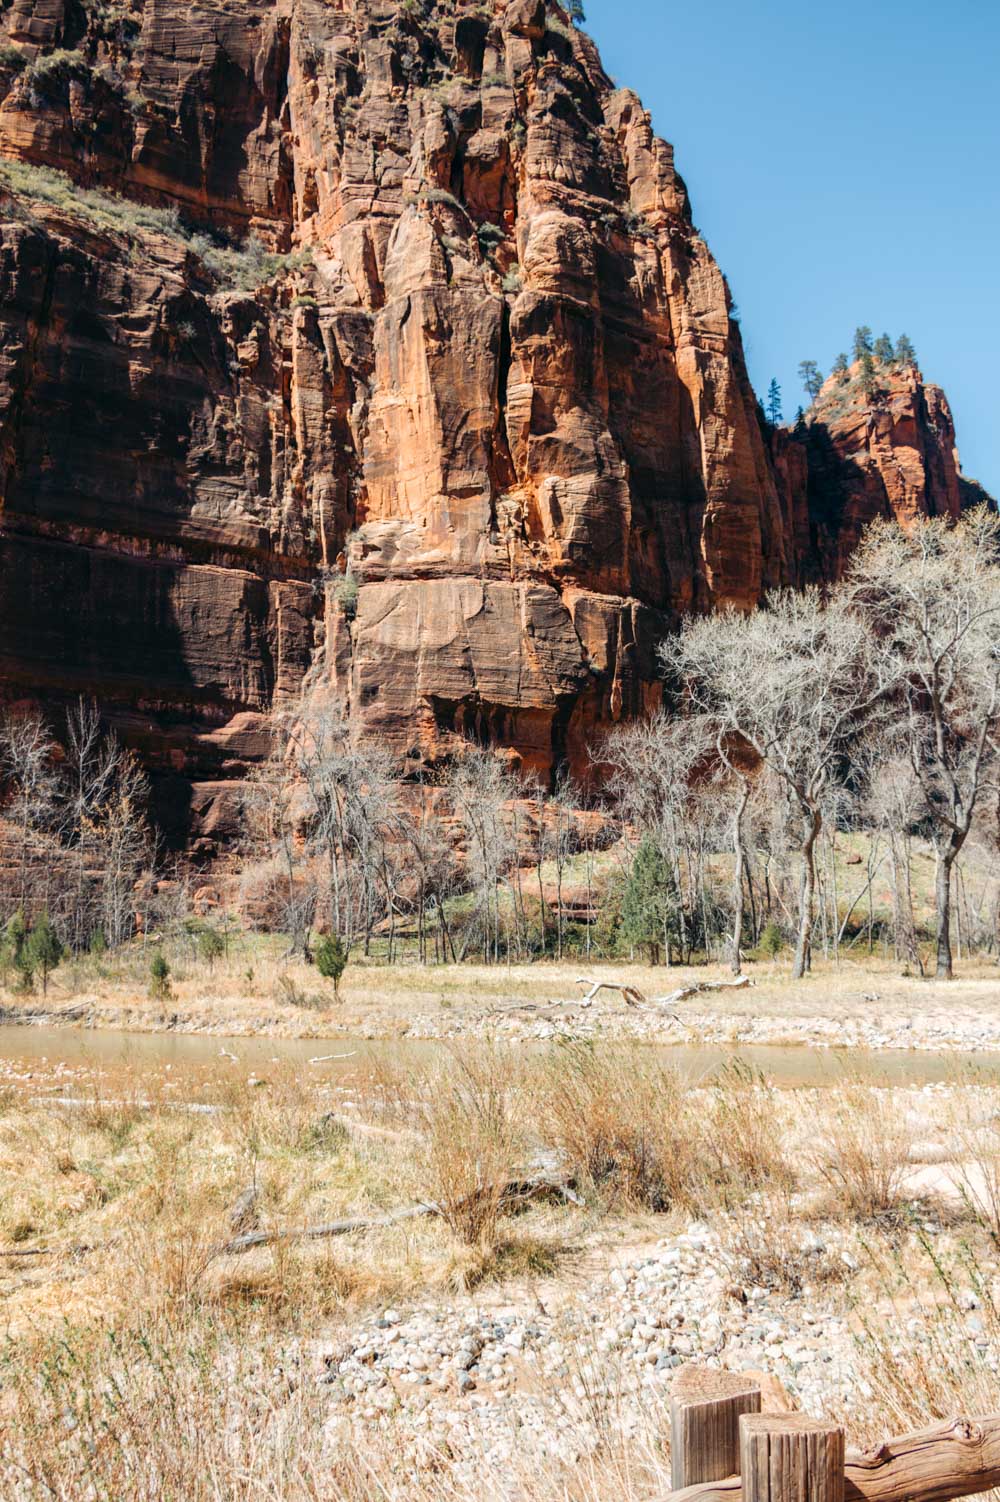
(891, 801)
(933, 594)
(795, 683)
(649, 769)
(349, 815)
(91, 784)
(282, 871)
(124, 841)
(480, 788)
(28, 763)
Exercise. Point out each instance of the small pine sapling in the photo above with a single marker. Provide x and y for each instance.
(44, 949)
(159, 972)
(331, 959)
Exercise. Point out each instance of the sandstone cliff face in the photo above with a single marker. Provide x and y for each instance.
(886, 453)
(404, 289)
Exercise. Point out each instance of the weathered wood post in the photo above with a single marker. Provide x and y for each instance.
(788, 1458)
(705, 1410)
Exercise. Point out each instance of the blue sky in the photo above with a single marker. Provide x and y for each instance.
(843, 162)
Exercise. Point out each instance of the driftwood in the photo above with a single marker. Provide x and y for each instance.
(629, 994)
(512, 1192)
(683, 992)
(959, 1458)
(54, 1251)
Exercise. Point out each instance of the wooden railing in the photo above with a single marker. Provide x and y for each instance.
(726, 1448)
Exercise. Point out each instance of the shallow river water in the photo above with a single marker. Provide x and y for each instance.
(25, 1047)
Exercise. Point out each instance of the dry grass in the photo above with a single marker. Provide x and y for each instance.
(860, 1151)
(153, 1367)
(616, 1117)
(225, 1411)
(928, 1335)
(475, 1140)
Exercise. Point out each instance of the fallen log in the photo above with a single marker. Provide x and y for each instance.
(700, 987)
(958, 1458)
(515, 1191)
(512, 1192)
(629, 994)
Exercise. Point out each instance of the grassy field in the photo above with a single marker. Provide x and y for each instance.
(257, 990)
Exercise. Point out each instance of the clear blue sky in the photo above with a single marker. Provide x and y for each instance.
(843, 162)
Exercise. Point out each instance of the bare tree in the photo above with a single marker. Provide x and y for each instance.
(350, 815)
(794, 683)
(124, 841)
(650, 767)
(281, 873)
(27, 759)
(892, 802)
(481, 787)
(933, 593)
(90, 785)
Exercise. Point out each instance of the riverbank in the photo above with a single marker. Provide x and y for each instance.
(867, 1006)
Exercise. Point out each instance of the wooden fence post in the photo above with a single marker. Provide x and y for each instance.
(788, 1458)
(705, 1410)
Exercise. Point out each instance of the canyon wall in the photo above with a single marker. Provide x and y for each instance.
(372, 345)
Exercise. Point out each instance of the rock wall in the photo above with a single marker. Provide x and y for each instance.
(886, 452)
(292, 290)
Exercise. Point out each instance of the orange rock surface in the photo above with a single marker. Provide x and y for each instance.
(405, 289)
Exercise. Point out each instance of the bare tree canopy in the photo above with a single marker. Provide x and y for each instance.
(791, 685)
(931, 594)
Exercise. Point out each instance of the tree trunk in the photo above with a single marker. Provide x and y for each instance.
(942, 902)
(807, 890)
(736, 963)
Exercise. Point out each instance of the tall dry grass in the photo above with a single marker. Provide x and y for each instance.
(616, 1117)
(859, 1151)
(476, 1139)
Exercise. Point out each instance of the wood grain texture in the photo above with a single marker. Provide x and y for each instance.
(705, 1411)
(959, 1458)
(790, 1458)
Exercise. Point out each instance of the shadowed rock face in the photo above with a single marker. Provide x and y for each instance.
(858, 457)
(475, 352)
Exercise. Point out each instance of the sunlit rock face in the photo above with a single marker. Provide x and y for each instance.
(472, 351)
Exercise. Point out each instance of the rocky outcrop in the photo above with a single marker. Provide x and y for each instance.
(881, 447)
(370, 344)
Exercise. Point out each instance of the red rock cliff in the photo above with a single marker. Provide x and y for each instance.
(406, 288)
(885, 451)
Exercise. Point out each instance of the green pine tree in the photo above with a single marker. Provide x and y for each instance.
(869, 376)
(44, 948)
(841, 367)
(774, 402)
(331, 959)
(863, 343)
(811, 377)
(884, 352)
(905, 353)
(159, 972)
(649, 906)
(211, 945)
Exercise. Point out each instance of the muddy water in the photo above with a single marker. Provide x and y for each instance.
(27, 1049)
